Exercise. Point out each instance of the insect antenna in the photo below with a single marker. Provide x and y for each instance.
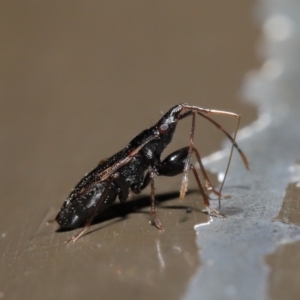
(242, 154)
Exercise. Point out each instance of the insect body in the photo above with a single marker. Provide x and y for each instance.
(134, 168)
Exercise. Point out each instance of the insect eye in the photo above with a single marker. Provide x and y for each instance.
(164, 127)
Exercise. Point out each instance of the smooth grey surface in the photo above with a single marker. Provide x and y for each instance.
(233, 250)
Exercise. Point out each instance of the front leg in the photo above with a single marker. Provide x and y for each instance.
(153, 211)
(149, 179)
(174, 164)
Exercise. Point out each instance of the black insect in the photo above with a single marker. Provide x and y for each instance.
(135, 167)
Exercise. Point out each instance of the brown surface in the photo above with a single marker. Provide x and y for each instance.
(126, 252)
(284, 263)
(290, 210)
(285, 272)
(78, 81)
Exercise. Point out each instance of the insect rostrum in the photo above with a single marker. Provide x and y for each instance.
(134, 168)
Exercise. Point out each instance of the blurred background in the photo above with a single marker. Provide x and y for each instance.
(78, 80)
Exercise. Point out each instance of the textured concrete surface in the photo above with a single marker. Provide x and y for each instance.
(249, 255)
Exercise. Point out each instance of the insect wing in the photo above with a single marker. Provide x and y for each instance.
(105, 174)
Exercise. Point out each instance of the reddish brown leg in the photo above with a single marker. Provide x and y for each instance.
(208, 184)
(188, 163)
(184, 183)
(210, 210)
(153, 211)
(187, 111)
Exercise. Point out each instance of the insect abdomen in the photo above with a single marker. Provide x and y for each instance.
(75, 213)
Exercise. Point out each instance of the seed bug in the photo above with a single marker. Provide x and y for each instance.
(135, 167)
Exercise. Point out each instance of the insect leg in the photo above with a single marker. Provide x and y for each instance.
(203, 112)
(123, 191)
(184, 182)
(208, 184)
(189, 109)
(153, 211)
(174, 164)
(210, 210)
(138, 188)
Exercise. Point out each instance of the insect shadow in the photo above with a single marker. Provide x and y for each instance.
(121, 210)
